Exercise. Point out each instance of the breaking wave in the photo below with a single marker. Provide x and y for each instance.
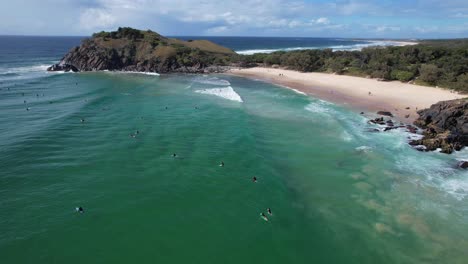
(226, 93)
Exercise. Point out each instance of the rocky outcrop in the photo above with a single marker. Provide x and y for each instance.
(62, 67)
(385, 113)
(130, 49)
(445, 126)
(463, 164)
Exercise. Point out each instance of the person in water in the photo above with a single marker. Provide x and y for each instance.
(221, 164)
(174, 155)
(269, 211)
(82, 120)
(254, 179)
(79, 210)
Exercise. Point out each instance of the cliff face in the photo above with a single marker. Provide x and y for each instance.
(129, 49)
(445, 124)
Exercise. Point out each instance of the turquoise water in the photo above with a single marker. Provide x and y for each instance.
(338, 194)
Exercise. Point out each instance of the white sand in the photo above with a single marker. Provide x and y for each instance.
(392, 96)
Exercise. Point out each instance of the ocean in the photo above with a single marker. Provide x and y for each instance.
(105, 141)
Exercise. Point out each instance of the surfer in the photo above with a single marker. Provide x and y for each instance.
(264, 216)
(269, 211)
(254, 179)
(221, 164)
(79, 209)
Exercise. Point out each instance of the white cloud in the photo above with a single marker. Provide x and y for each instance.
(94, 18)
(323, 21)
(381, 29)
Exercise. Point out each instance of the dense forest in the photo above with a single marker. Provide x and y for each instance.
(441, 63)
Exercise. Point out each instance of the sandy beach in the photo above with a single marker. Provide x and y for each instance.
(360, 94)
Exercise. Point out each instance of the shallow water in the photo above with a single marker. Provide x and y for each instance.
(338, 193)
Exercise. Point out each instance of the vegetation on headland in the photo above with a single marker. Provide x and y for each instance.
(129, 49)
(441, 63)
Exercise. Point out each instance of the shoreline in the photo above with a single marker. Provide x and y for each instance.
(359, 94)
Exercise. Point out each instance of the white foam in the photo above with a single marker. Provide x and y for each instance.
(352, 47)
(320, 106)
(346, 136)
(297, 91)
(364, 149)
(136, 72)
(225, 92)
(213, 81)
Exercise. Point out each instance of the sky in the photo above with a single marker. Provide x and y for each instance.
(298, 18)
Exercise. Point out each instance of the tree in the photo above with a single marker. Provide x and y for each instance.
(429, 73)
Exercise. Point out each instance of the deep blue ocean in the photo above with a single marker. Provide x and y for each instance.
(105, 141)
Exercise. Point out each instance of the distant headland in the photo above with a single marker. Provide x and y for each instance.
(129, 49)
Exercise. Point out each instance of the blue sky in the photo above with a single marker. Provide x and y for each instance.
(308, 18)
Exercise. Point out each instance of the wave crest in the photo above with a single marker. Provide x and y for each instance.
(225, 92)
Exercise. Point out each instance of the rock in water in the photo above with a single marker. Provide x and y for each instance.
(445, 126)
(463, 164)
(385, 113)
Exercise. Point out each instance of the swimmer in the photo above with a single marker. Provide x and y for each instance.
(174, 155)
(264, 216)
(82, 120)
(137, 132)
(221, 164)
(27, 109)
(254, 179)
(166, 107)
(79, 209)
(269, 211)
(24, 101)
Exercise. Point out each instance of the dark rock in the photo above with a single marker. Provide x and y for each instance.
(445, 126)
(411, 129)
(385, 113)
(62, 67)
(463, 164)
